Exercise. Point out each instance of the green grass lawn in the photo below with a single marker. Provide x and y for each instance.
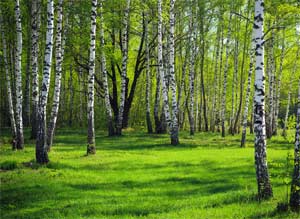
(141, 176)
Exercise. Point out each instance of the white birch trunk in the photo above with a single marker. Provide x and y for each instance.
(8, 85)
(18, 73)
(41, 144)
(161, 68)
(173, 86)
(108, 108)
(248, 91)
(262, 175)
(124, 67)
(58, 71)
(295, 192)
(35, 25)
(91, 144)
(223, 106)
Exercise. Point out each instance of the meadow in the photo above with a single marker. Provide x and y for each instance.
(142, 176)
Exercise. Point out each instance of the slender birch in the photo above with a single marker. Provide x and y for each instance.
(148, 78)
(161, 68)
(110, 121)
(18, 73)
(223, 106)
(35, 25)
(248, 91)
(41, 144)
(262, 175)
(173, 86)
(8, 85)
(58, 71)
(91, 144)
(124, 67)
(295, 185)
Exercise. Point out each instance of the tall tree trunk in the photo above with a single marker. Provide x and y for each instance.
(18, 70)
(41, 144)
(148, 79)
(262, 175)
(8, 84)
(223, 106)
(192, 73)
(35, 25)
(173, 86)
(91, 144)
(124, 68)
(110, 121)
(289, 93)
(165, 103)
(58, 71)
(156, 104)
(248, 91)
(295, 185)
(277, 105)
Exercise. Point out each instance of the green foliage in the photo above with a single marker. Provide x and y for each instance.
(141, 176)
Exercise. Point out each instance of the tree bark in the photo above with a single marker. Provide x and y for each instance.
(35, 25)
(41, 144)
(223, 106)
(110, 121)
(262, 175)
(148, 79)
(18, 70)
(124, 68)
(91, 144)
(58, 71)
(8, 84)
(295, 185)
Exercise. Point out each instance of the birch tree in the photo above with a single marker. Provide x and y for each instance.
(110, 121)
(295, 185)
(35, 25)
(174, 129)
(262, 175)
(41, 144)
(18, 73)
(148, 78)
(223, 106)
(91, 144)
(8, 85)
(58, 70)
(124, 67)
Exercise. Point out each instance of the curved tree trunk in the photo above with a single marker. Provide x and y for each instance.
(91, 144)
(58, 70)
(41, 144)
(262, 175)
(18, 70)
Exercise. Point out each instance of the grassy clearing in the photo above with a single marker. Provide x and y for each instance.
(141, 176)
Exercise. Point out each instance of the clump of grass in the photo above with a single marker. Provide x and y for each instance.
(9, 165)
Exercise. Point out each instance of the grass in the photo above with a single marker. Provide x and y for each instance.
(141, 176)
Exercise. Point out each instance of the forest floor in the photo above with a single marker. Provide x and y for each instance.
(142, 176)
